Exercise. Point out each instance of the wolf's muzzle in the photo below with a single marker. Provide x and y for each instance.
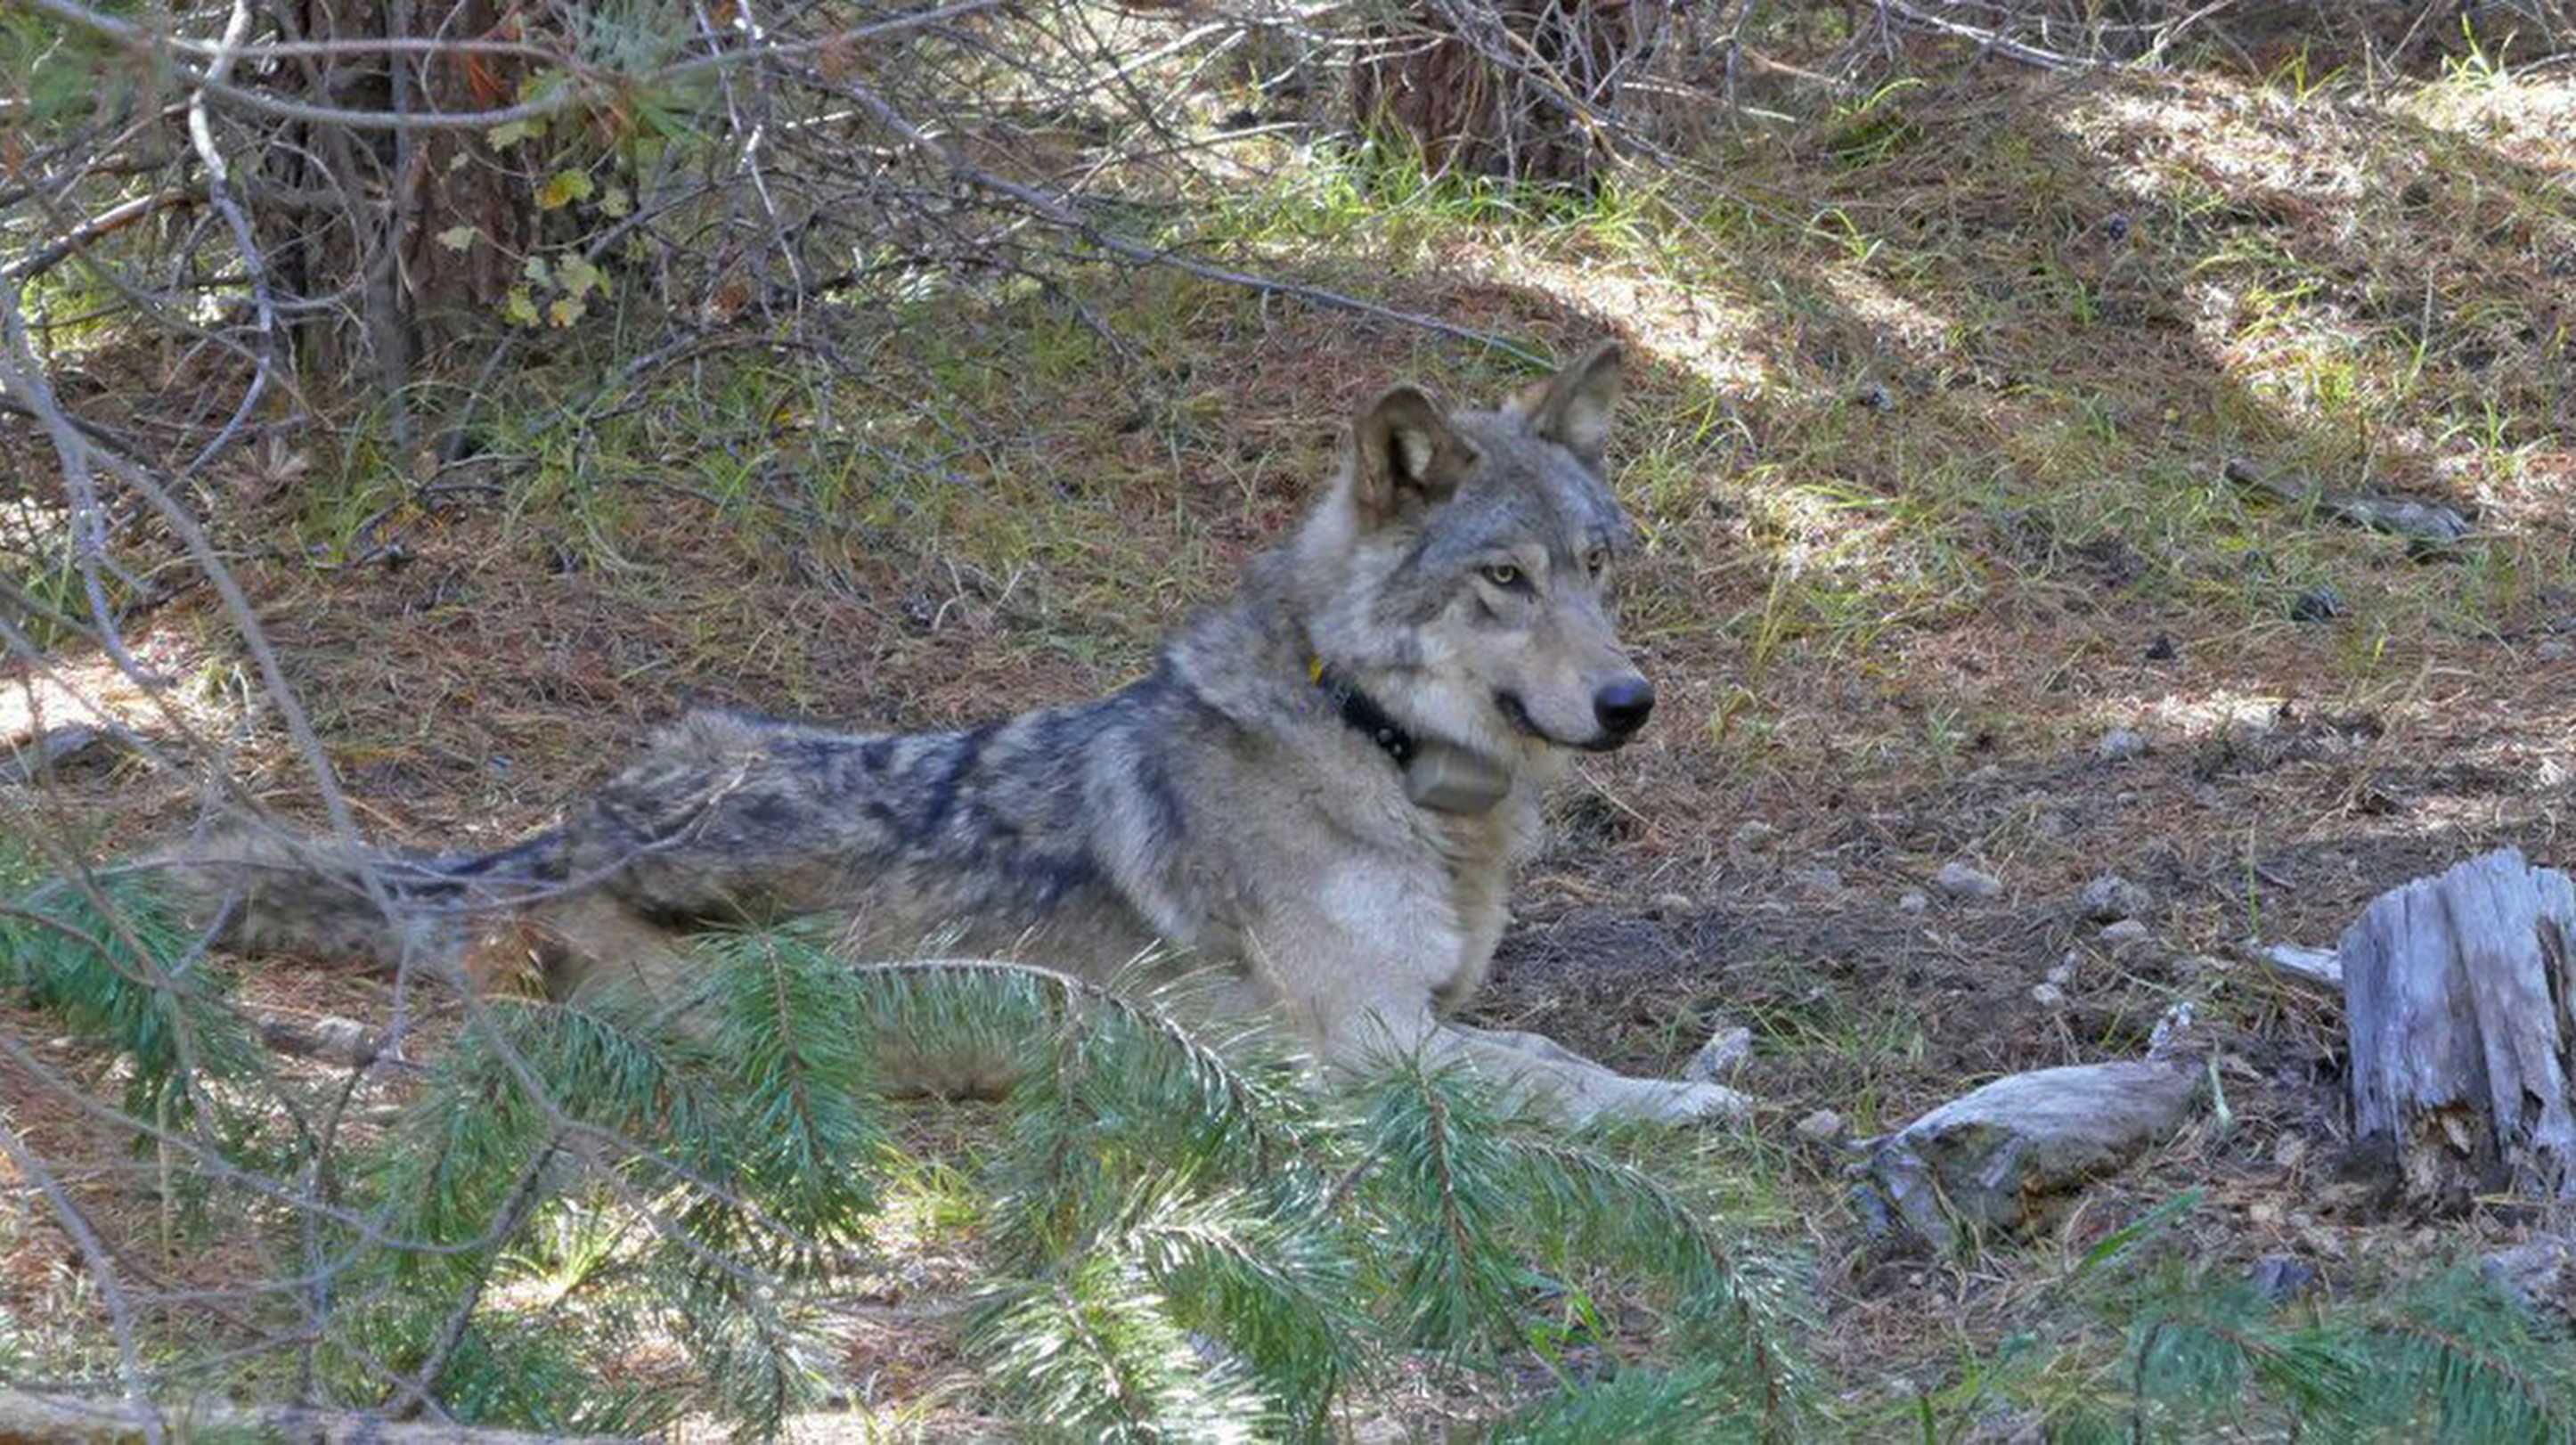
(1621, 707)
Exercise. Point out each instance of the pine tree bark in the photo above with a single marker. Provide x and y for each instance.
(357, 215)
(1499, 87)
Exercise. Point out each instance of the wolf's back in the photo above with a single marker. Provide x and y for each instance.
(274, 892)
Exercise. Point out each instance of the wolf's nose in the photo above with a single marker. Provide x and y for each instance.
(1622, 706)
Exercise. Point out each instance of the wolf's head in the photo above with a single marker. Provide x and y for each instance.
(1459, 571)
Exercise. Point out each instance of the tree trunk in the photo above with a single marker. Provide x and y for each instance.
(357, 215)
(2460, 1001)
(1508, 88)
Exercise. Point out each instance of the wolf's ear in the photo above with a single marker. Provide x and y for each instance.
(1409, 458)
(1572, 408)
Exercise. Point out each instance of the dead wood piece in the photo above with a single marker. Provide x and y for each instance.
(28, 1416)
(2011, 1154)
(326, 1038)
(2458, 992)
(2320, 966)
(2428, 525)
(28, 759)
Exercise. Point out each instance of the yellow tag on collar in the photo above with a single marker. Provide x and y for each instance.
(1315, 670)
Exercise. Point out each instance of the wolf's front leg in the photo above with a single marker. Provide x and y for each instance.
(1533, 1072)
(1356, 964)
(1622, 1096)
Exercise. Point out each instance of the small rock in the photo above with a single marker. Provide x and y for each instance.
(2109, 898)
(2282, 1276)
(2124, 933)
(2053, 825)
(1819, 880)
(2162, 649)
(1961, 881)
(1754, 835)
(2166, 1039)
(2047, 995)
(2119, 745)
(1823, 1126)
(2321, 603)
(1672, 906)
(2007, 1155)
(1914, 901)
(2004, 1425)
(1876, 397)
(1724, 1053)
(2540, 1273)
(2556, 649)
(1990, 773)
(2063, 974)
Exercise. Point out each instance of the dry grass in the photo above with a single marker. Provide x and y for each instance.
(1927, 443)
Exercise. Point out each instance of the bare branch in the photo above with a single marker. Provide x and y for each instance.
(33, 1416)
(214, 80)
(111, 1287)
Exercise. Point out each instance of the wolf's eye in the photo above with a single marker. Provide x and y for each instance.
(1503, 574)
(1595, 560)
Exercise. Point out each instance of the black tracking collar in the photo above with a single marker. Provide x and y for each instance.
(1363, 715)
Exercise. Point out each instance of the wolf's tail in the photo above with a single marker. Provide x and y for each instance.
(268, 891)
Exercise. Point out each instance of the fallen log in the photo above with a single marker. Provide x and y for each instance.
(2013, 1154)
(28, 1416)
(2427, 526)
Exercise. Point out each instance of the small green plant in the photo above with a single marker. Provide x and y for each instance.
(2149, 1345)
(113, 964)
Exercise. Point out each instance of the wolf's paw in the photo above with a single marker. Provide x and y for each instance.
(1701, 1104)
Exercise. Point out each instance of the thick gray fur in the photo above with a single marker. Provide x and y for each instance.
(1457, 569)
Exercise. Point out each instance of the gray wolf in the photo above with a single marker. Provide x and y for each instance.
(1317, 796)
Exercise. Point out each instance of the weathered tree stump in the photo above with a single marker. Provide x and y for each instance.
(2460, 1002)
